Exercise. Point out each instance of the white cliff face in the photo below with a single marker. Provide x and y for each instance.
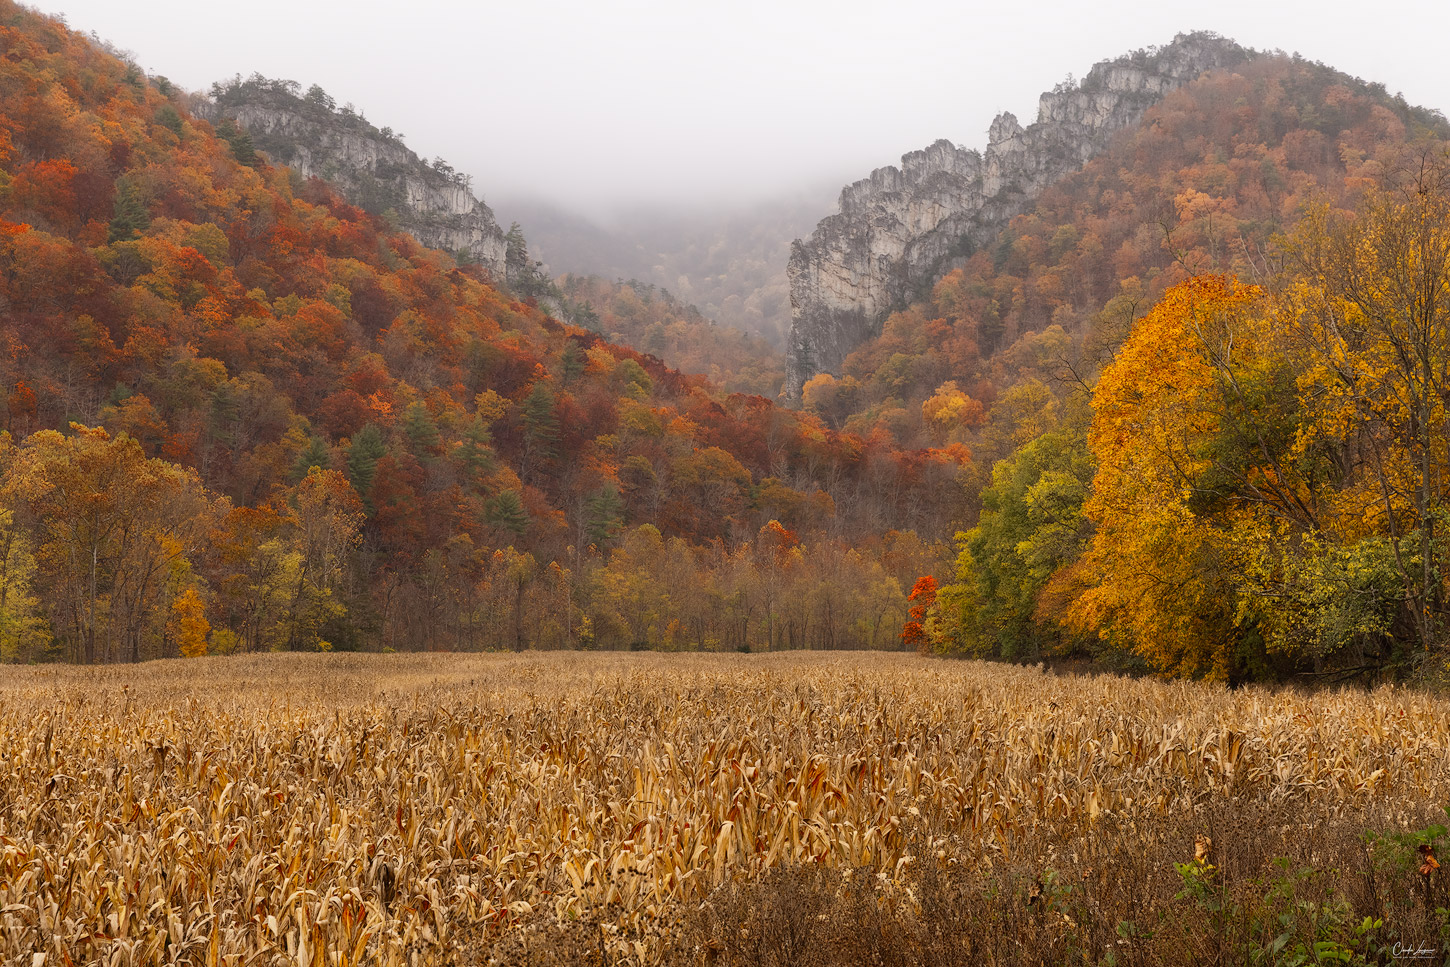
(373, 171)
(897, 228)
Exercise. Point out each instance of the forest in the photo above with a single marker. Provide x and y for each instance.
(1183, 416)
(242, 414)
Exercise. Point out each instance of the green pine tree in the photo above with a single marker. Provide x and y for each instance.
(315, 454)
(585, 316)
(421, 431)
(239, 140)
(541, 429)
(571, 362)
(129, 217)
(475, 452)
(604, 516)
(362, 462)
(506, 512)
(170, 119)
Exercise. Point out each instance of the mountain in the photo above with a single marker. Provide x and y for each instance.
(1147, 540)
(371, 167)
(1203, 183)
(267, 418)
(1181, 373)
(895, 231)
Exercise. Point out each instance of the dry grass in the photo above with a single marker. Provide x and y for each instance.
(589, 808)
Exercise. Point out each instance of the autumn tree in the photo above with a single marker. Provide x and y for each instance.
(114, 531)
(922, 598)
(1161, 575)
(188, 624)
(328, 515)
(1030, 529)
(257, 573)
(1229, 501)
(1369, 306)
(24, 632)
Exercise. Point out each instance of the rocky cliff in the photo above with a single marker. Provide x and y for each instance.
(371, 167)
(896, 230)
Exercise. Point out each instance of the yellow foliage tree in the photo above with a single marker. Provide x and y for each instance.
(1158, 573)
(111, 527)
(950, 411)
(1274, 473)
(1369, 310)
(189, 627)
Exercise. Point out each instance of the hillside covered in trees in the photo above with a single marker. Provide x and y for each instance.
(1199, 383)
(241, 413)
(1203, 185)
(1261, 485)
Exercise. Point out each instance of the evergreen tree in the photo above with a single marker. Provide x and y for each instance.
(317, 96)
(362, 462)
(506, 512)
(224, 414)
(572, 362)
(541, 429)
(516, 250)
(168, 117)
(476, 451)
(586, 316)
(421, 431)
(315, 454)
(604, 516)
(240, 141)
(129, 217)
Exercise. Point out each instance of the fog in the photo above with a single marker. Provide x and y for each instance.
(602, 105)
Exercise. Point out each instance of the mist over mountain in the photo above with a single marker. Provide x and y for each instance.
(729, 262)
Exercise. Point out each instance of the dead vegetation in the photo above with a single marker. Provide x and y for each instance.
(799, 808)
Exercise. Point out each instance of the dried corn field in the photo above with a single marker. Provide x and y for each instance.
(429, 809)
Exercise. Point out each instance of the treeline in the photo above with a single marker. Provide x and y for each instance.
(108, 555)
(1262, 484)
(774, 592)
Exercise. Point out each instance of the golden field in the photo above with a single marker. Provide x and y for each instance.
(338, 809)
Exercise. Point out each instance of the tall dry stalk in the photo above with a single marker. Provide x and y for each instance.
(415, 809)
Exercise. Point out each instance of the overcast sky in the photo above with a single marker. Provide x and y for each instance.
(598, 103)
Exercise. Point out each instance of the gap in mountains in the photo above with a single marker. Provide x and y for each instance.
(730, 263)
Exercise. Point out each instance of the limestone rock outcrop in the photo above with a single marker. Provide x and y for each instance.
(372, 168)
(896, 230)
